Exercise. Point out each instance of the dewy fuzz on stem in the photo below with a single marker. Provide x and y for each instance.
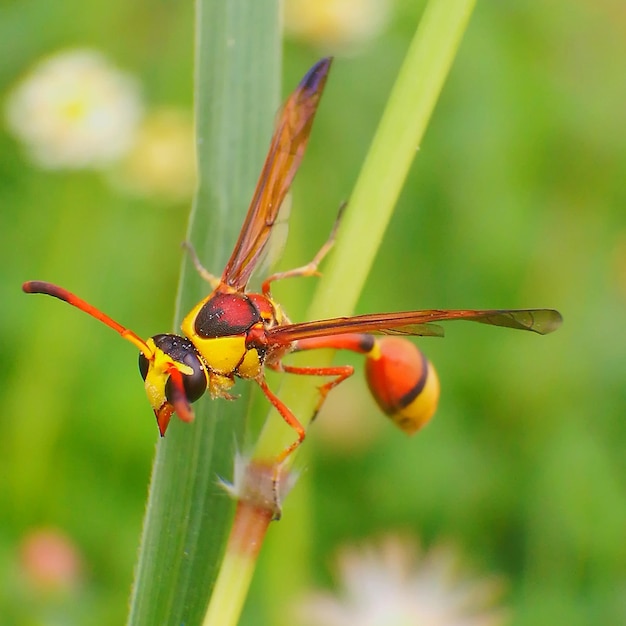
(263, 485)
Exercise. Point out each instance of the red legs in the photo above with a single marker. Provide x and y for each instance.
(292, 421)
(310, 269)
(355, 342)
(213, 280)
(288, 416)
(340, 372)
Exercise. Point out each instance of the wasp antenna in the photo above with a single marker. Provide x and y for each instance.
(48, 289)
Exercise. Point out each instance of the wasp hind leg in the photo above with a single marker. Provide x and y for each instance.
(340, 373)
(310, 269)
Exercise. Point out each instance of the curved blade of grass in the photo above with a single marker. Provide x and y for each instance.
(401, 129)
(188, 514)
(395, 144)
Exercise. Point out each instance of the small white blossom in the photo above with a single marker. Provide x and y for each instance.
(387, 585)
(75, 110)
(336, 23)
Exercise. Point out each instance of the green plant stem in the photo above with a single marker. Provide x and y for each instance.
(400, 132)
(380, 181)
(238, 565)
(188, 514)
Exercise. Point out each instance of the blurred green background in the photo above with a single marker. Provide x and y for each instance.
(516, 199)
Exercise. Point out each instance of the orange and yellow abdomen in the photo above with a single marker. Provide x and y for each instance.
(403, 382)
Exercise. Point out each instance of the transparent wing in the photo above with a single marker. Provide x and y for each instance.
(541, 321)
(283, 159)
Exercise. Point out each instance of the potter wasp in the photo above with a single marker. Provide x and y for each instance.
(234, 333)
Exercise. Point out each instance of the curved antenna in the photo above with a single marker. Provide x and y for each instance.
(39, 286)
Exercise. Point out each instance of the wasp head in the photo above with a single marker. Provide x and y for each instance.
(174, 376)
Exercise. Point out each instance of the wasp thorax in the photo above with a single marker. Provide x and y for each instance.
(182, 351)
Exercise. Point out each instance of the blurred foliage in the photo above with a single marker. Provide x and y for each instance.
(516, 199)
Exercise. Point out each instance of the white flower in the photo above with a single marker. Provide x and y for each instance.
(336, 23)
(75, 110)
(161, 163)
(386, 585)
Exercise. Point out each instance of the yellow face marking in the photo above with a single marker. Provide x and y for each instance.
(158, 375)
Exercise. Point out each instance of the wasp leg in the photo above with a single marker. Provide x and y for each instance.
(310, 269)
(292, 421)
(288, 416)
(213, 280)
(340, 373)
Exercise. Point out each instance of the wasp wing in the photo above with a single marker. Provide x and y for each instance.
(541, 321)
(283, 159)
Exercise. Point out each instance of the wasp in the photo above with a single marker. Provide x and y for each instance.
(234, 333)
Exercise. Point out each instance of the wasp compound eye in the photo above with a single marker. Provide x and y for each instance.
(182, 351)
(144, 365)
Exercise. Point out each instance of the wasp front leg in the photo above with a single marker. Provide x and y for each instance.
(213, 280)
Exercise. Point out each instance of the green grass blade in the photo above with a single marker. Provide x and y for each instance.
(188, 514)
(393, 149)
(380, 181)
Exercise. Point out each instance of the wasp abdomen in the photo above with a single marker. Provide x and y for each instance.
(403, 382)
